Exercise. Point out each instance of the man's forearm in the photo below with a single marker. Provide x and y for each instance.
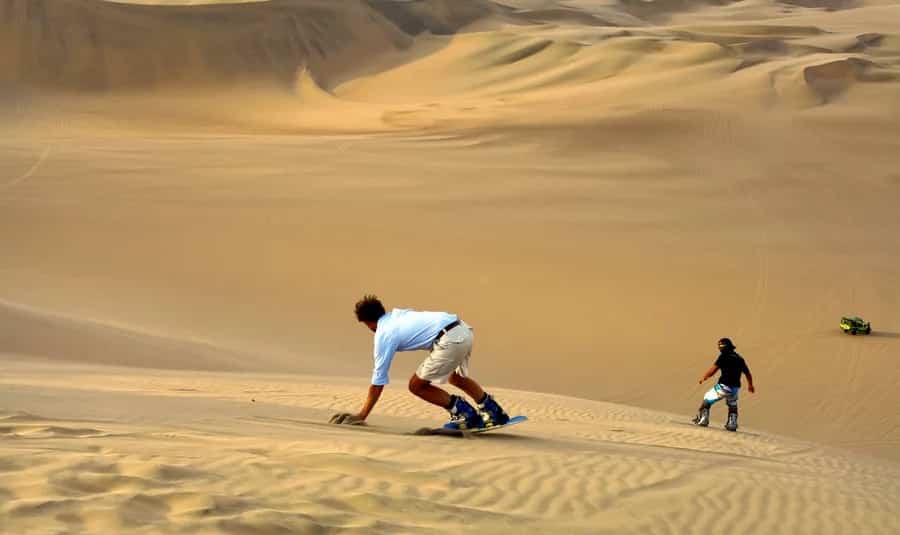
(709, 373)
(371, 400)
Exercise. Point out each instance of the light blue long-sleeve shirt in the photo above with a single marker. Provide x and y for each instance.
(404, 330)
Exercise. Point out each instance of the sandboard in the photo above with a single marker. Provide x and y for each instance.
(438, 431)
(443, 431)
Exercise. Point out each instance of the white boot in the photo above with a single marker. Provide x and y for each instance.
(731, 424)
(702, 418)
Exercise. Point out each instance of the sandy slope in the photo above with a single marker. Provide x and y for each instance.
(601, 188)
(163, 453)
(622, 265)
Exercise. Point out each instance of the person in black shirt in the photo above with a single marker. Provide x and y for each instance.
(732, 366)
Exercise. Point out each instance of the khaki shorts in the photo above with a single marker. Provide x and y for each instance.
(450, 353)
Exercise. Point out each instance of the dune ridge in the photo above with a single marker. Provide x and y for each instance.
(96, 45)
(82, 340)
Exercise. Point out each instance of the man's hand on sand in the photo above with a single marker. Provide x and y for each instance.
(346, 418)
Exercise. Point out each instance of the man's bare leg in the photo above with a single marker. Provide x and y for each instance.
(467, 385)
(430, 393)
(466, 416)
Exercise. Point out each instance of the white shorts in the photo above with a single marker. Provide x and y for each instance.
(718, 392)
(450, 353)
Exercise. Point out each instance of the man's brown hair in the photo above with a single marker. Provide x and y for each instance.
(369, 308)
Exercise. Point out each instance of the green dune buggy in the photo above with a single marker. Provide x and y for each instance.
(855, 325)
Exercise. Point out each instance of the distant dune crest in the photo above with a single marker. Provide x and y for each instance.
(93, 45)
(343, 55)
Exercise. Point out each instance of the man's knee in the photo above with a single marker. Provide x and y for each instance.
(455, 379)
(417, 384)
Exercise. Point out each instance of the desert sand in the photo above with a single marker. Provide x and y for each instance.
(194, 194)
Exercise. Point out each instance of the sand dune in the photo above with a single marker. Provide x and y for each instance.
(193, 194)
(290, 66)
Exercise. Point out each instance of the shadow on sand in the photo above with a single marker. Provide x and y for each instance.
(885, 334)
(874, 333)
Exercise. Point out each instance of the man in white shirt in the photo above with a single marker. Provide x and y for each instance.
(449, 342)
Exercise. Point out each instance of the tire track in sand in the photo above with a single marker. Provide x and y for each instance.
(30, 172)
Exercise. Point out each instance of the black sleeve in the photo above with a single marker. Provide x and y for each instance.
(719, 360)
(746, 368)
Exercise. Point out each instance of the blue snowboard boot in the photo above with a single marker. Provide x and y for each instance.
(463, 415)
(492, 411)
